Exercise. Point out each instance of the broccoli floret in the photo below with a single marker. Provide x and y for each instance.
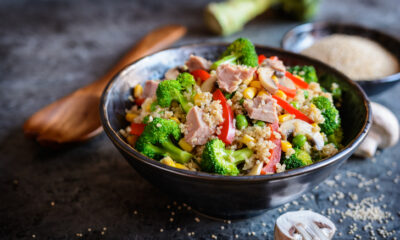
(241, 51)
(298, 159)
(186, 80)
(156, 141)
(217, 159)
(171, 90)
(336, 138)
(308, 73)
(330, 114)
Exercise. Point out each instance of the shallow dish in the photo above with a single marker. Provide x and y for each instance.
(303, 36)
(225, 196)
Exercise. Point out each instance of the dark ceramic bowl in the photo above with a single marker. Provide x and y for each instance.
(305, 35)
(226, 196)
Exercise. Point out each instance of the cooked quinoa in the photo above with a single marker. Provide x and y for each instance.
(251, 116)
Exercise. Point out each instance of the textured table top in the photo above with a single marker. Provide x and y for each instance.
(50, 48)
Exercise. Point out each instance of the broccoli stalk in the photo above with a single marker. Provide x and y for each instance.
(298, 159)
(172, 90)
(156, 141)
(330, 114)
(228, 17)
(240, 51)
(217, 159)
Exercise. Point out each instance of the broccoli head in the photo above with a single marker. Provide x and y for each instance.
(308, 73)
(186, 80)
(241, 51)
(330, 114)
(217, 159)
(298, 159)
(336, 138)
(156, 141)
(171, 90)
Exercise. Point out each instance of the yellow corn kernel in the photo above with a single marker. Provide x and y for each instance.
(312, 105)
(286, 145)
(131, 139)
(130, 116)
(168, 161)
(285, 117)
(314, 125)
(137, 91)
(281, 94)
(181, 166)
(198, 99)
(256, 84)
(175, 119)
(250, 92)
(184, 145)
(246, 139)
(262, 93)
(147, 108)
(275, 79)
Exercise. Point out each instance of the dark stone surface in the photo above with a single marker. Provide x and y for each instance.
(50, 48)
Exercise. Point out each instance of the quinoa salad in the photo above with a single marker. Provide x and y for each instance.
(244, 114)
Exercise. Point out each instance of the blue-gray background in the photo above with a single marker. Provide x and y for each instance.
(50, 48)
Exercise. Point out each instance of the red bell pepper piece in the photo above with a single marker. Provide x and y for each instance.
(137, 128)
(290, 109)
(274, 58)
(228, 127)
(288, 91)
(200, 74)
(139, 101)
(296, 80)
(275, 157)
(261, 58)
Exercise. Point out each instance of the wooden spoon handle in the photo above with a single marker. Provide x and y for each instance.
(156, 40)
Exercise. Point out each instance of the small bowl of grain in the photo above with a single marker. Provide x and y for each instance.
(367, 56)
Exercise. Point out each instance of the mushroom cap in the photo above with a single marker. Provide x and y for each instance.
(385, 125)
(303, 225)
(298, 126)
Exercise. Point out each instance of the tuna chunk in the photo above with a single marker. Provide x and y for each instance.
(198, 131)
(196, 62)
(265, 76)
(172, 73)
(150, 88)
(262, 108)
(276, 64)
(231, 76)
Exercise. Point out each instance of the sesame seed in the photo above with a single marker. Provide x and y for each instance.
(161, 230)
(222, 227)
(229, 222)
(135, 212)
(178, 229)
(197, 219)
(102, 233)
(171, 219)
(172, 213)
(104, 229)
(33, 236)
(52, 204)
(236, 236)
(89, 229)
(213, 236)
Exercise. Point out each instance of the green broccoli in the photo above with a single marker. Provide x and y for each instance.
(217, 159)
(308, 73)
(298, 159)
(186, 80)
(156, 141)
(241, 51)
(330, 114)
(336, 137)
(172, 90)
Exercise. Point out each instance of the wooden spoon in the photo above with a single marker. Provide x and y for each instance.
(76, 117)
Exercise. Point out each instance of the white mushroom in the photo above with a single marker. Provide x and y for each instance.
(265, 75)
(297, 126)
(303, 225)
(384, 131)
(208, 85)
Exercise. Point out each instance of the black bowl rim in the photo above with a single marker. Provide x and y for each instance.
(203, 176)
(306, 27)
